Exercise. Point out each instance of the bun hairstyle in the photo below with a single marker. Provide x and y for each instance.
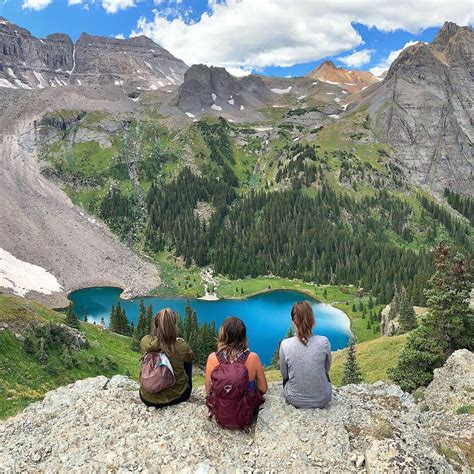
(232, 339)
(303, 318)
(165, 328)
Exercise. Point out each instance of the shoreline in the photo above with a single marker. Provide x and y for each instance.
(208, 297)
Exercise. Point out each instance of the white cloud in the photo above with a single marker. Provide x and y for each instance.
(113, 6)
(120, 36)
(357, 59)
(74, 2)
(35, 4)
(383, 65)
(258, 33)
(238, 71)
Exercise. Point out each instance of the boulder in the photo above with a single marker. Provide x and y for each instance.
(100, 424)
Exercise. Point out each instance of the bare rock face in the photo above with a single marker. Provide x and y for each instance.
(99, 424)
(27, 62)
(424, 110)
(453, 385)
(388, 326)
(137, 62)
(214, 90)
(450, 419)
(77, 249)
(353, 81)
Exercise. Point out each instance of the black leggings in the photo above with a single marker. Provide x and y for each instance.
(188, 368)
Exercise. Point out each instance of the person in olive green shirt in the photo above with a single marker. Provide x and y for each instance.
(164, 339)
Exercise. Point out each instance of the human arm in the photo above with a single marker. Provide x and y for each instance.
(328, 358)
(283, 364)
(211, 364)
(260, 378)
(186, 352)
(149, 344)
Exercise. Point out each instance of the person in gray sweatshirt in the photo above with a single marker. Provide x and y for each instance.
(305, 360)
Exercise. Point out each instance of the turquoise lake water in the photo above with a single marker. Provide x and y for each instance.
(267, 315)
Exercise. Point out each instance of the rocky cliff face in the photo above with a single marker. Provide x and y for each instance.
(213, 89)
(352, 81)
(27, 62)
(424, 110)
(101, 425)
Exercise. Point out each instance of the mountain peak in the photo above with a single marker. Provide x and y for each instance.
(351, 80)
(446, 33)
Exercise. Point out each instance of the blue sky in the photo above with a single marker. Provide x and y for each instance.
(273, 37)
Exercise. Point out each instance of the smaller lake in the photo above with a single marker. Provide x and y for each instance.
(267, 315)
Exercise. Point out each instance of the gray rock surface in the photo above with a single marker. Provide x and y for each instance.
(100, 425)
(450, 419)
(27, 62)
(388, 326)
(78, 250)
(453, 385)
(424, 110)
(214, 90)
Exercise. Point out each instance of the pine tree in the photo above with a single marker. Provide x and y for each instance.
(112, 320)
(276, 355)
(141, 330)
(149, 319)
(446, 327)
(352, 373)
(406, 314)
(371, 303)
(71, 317)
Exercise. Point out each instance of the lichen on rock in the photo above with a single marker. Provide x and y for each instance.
(100, 424)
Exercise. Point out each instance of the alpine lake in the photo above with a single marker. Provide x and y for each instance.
(266, 315)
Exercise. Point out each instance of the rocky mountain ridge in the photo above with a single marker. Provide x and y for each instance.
(424, 110)
(351, 80)
(100, 424)
(139, 63)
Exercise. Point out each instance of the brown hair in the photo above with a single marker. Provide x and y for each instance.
(232, 339)
(303, 318)
(166, 330)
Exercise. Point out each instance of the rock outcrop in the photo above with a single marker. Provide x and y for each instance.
(388, 325)
(213, 90)
(424, 110)
(352, 81)
(27, 62)
(449, 410)
(100, 425)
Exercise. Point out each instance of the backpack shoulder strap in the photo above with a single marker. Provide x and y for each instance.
(221, 358)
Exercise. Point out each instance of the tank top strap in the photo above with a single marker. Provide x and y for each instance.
(243, 357)
(221, 358)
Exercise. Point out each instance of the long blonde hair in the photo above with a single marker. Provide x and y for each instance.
(303, 318)
(232, 339)
(166, 330)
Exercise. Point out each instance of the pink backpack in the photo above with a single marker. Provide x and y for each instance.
(157, 373)
(231, 402)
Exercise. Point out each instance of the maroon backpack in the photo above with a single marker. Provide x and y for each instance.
(231, 402)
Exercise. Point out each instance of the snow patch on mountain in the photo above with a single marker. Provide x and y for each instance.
(22, 277)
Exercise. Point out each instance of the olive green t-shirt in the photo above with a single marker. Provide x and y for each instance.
(181, 354)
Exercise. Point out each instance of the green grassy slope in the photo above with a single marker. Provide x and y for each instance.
(23, 379)
(375, 358)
